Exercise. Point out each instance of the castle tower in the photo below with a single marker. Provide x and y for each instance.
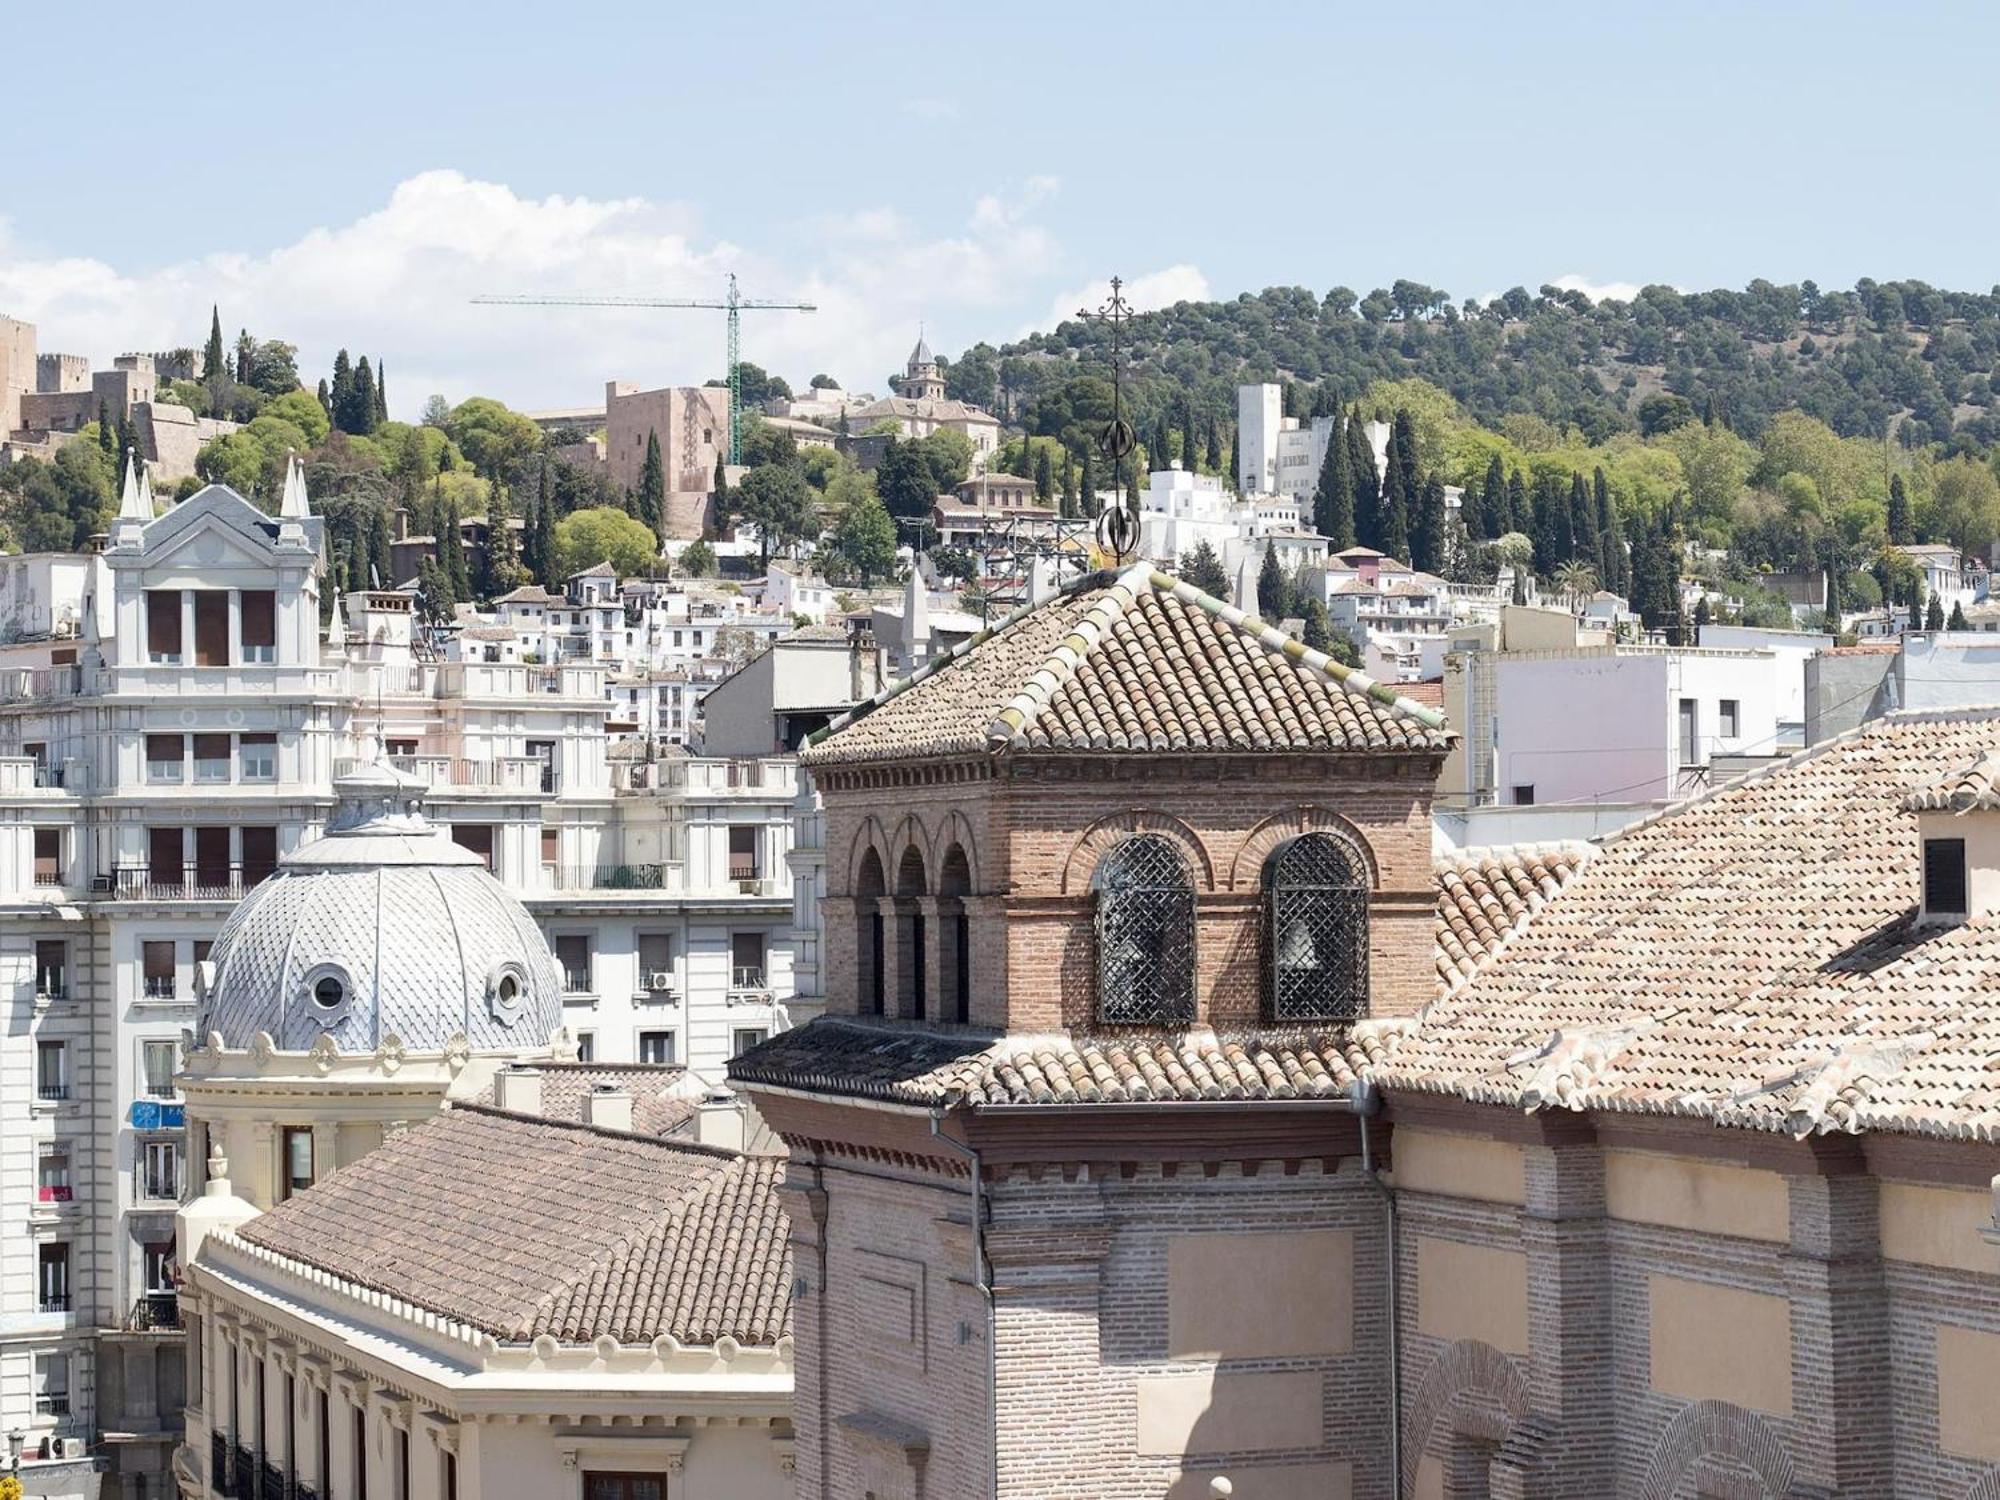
(922, 379)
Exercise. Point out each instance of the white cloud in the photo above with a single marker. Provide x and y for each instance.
(394, 283)
(1597, 291)
(1156, 289)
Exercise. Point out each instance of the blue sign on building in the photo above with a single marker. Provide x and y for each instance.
(151, 1114)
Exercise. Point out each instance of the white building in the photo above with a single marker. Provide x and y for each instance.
(1280, 455)
(159, 758)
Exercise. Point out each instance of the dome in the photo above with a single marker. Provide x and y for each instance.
(383, 926)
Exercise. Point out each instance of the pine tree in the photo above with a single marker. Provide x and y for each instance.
(1934, 614)
(1957, 620)
(1366, 483)
(1493, 500)
(1333, 501)
(1428, 550)
(1901, 531)
(363, 404)
(1271, 590)
(1202, 569)
(652, 497)
(1045, 479)
(1519, 517)
(340, 404)
(212, 355)
(107, 442)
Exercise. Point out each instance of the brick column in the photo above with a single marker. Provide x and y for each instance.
(1840, 1337)
(806, 1212)
(899, 955)
(937, 952)
(1569, 1330)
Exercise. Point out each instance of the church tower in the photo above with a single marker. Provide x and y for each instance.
(922, 379)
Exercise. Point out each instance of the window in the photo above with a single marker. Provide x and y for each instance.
(624, 1487)
(1731, 719)
(52, 1183)
(1145, 934)
(1944, 877)
(259, 611)
(166, 855)
(160, 1169)
(166, 755)
(742, 846)
(51, 1069)
(586, 1046)
(211, 628)
(478, 837)
(211, 757)
(1689, 723)
(157, 1265)
(296, 1166)
(573, 958)
(51, 969)
(551, 848)
(48, 856)
(744, 1038)
(656, 962)
(1524, 794)
(51, 1385)
(359, 1448)
(157, 958)
(257, 757)
(1317, 937)
(260, 853)
(160, 1059)
(656, 1048)
(163, 626)
(52, 1276)
(746, 960)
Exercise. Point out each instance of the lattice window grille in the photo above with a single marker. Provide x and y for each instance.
(1318, 932)
(1145, 934)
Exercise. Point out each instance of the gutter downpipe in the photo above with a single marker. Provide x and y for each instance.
(982, 1278)
(1368, 1102)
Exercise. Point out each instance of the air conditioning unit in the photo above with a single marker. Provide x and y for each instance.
(660, 979)
(66, 1447)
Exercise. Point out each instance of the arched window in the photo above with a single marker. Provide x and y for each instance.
(1145, 934)
(910, 891)
(1317, 937)
(869, 940)
(954, 936)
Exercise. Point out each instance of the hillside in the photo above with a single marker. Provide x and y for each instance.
(1889, 357)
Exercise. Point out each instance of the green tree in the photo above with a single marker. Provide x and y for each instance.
(1201, 568)
(652, 495)
(696, 560)
(1190, 453)
(1273, 592)
(381, 395)
(1934, 614)
(1333, 499)
(1429, 549)
(905, 481)
(1367, 483)
(451, 555)
(361, 407)
(1957, 620)
(499, 564)
(1214, 445)
(1318, 631)
(1901, 530)
(340, 395)
(1493, 501)
(1235, 457)
(1045, 479)
(864, 540)
(107, 439)
(1087, 487)
(214, 361)
(586, 538)
(492, 438)
(776, 499)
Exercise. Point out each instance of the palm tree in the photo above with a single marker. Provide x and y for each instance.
(1576, 581)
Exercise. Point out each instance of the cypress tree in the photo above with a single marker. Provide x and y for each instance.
(325, 400)
(1318, 632)
(1520, 594)
(212, 355)
(1214, 445)
(1610, 552)
(1542, 528)
(1957, 620)
(1132, 489)
(1045, 479)
(1917, 606)
(1333, 501)
(652, 499)
(1519, 517)
(1900, 530)
(1428, 550)
(380, 549)
(1395, 518)
(1583, 527)
(1203, 569)
(1190, 458)
(1069, 507)
(340, 405)
(1271, 590)
(363, 403)
(1160, 450)
(128, 442)
(1833, 597)
(107, 443)
(721, 492)
(1403, 451)
(357, 558)
(497, 564)
(1088, 487)
(1493, 500)
(451, 544)
(381, 394)
(1934, 614)
(1236, 459)
(1366, 483)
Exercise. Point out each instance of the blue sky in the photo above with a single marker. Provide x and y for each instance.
(349, 175)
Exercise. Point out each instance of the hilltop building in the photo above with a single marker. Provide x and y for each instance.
(921, 408)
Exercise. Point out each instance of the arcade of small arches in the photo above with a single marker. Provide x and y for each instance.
(1142, 875)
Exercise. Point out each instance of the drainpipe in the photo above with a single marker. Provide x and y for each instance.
(982, 1278)
(1368, 1102)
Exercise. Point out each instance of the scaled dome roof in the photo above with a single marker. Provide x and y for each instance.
(382, 927)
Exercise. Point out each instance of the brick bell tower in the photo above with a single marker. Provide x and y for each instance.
(1117, 895)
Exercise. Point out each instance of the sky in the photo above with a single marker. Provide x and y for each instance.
(352, 176)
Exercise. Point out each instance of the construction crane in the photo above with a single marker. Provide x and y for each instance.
(733, 304)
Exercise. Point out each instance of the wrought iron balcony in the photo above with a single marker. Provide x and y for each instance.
(156, 1312)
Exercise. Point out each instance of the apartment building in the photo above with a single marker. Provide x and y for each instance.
(171, 723)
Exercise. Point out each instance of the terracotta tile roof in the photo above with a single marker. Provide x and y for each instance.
(524, 1226)
(661, 1097)
(1132, 661)
(1862, 648)
(1430, 694)
(1487, 896)
(1750, 958)
(1971, 788)
(904, 1063)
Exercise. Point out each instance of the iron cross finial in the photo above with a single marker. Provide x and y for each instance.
(1118, 527)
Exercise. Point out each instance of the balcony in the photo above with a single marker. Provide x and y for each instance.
(50, 1192)
(659, 877)
(35, 684)
(192, 882)
(25, 773)
(159, 987)
(54, 1092)
(527, 774)
(52, 1405)
(748, 980)
(52, 1302)
(156, 1312)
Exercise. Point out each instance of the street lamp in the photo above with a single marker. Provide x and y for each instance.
(16, 1441)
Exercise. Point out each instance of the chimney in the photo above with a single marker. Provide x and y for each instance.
(609, 1107)
(1958, 843)
(718, 1120)
(518, 1089)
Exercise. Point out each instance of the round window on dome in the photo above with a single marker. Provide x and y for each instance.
(329, 993)
(506, 992)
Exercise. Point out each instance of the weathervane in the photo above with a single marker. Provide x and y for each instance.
(1118, 527)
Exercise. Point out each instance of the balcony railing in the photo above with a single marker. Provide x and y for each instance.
(743, 867)
(659, 877)
(53, 1192)
(744, 978)
(190, 882)
(55, 1091)
(56, 1302)
(45, 876)
(155, 1312)
(52, 1405)
(159, 987)
(272, 1484)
